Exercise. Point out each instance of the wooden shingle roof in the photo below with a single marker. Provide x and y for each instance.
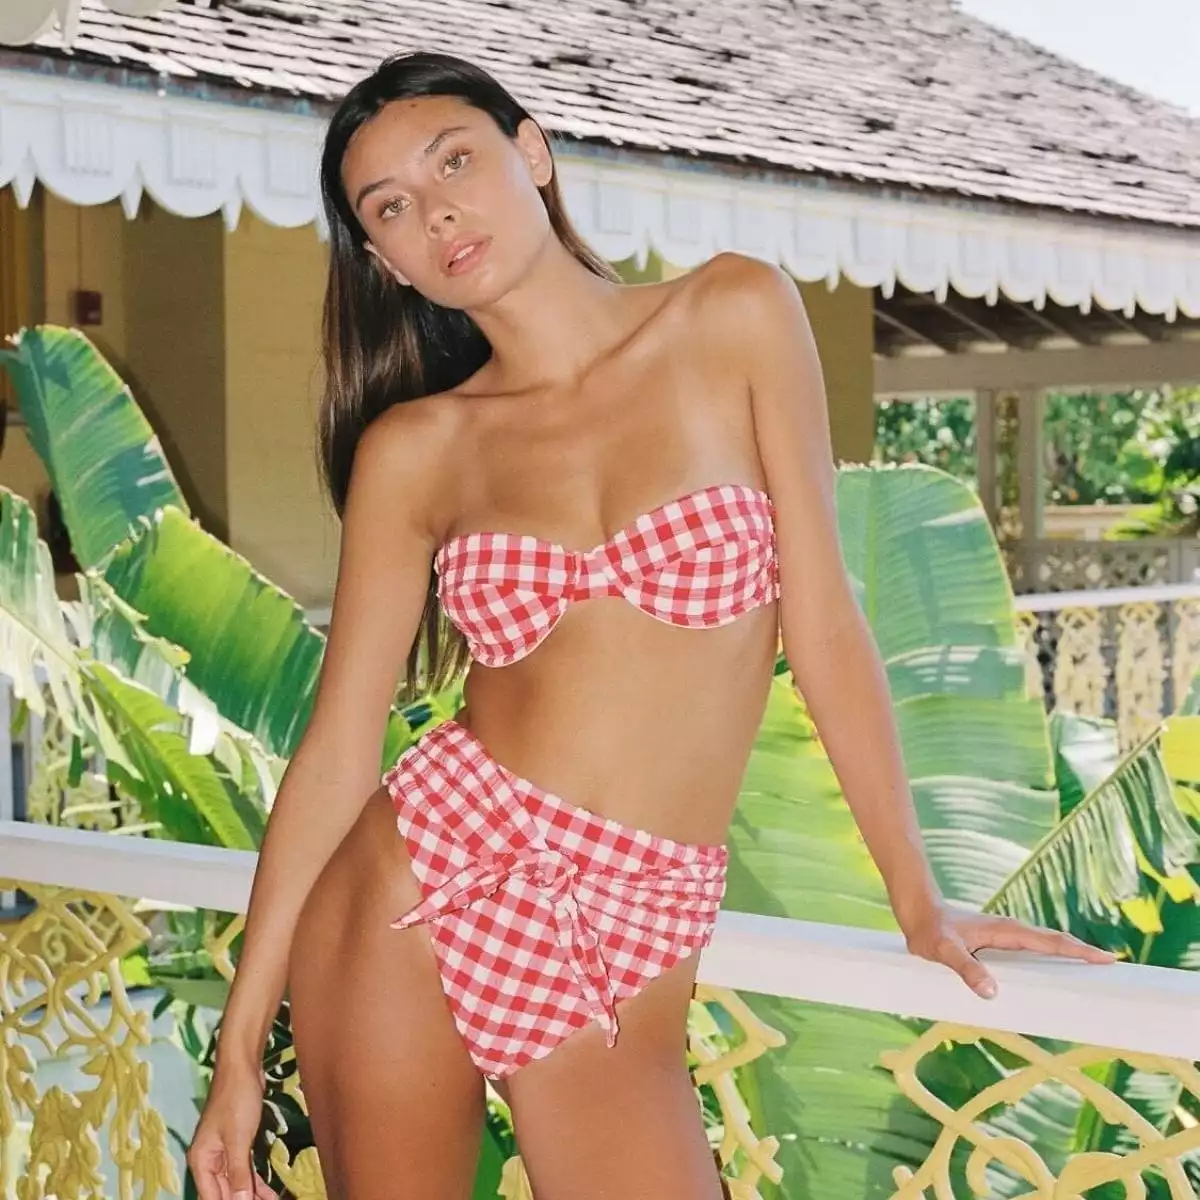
(909, 94)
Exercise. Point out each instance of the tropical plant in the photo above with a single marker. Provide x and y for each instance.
(1139, 447)
(180, 676)
(928, 575)
(999, 832)
(934, 431)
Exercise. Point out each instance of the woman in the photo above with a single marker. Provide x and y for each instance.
(618, 496)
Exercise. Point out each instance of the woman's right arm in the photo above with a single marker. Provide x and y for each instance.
(387, 541)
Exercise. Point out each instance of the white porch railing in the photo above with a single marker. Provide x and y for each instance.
(1147, 1015)
(1129, 654)
(1148, 1009)
(1078, 564)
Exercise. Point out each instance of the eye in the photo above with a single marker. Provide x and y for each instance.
(393, 208)
(456, 159)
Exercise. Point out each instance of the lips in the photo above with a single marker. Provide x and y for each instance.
(469, 248)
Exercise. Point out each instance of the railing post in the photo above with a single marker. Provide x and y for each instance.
(1031, 407)
(985, 452)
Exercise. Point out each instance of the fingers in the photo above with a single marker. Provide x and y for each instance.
(221, 1174)
(952, 951)
(262, 1192)
(206, 1161)
(242, 1182)
(1008, 934)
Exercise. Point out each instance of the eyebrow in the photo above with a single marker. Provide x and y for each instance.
(367, 189)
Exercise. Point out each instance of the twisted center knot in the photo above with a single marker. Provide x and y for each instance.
(553, 873)
(587, 575)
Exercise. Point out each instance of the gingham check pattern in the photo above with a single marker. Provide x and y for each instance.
(700, 560)
(542, 915)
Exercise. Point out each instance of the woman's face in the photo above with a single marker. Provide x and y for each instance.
(449, 204)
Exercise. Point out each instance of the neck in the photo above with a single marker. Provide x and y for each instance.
(548, 330)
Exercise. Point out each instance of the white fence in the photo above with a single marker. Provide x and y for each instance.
(1133, 1008)
(1077, 564)
(1129, 654)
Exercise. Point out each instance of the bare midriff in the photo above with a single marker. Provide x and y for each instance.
(631, 718)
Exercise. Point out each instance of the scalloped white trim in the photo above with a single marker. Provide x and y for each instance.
(91, 143)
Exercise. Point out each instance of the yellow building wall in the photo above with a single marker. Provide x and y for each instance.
(21, 304)
(174, 306)
(278, 517)
(84, 250)
(843, 323)
(160, 281)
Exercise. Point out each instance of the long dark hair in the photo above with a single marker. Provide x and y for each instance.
(385, 343)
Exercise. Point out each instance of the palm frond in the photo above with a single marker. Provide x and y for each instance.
(1090, 862)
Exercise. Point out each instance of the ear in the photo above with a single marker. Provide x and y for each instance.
(385, 268)
(531, 141)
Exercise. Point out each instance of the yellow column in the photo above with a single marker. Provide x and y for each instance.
(843, 322)
(278, 518)
(174, 311)
(21, 300)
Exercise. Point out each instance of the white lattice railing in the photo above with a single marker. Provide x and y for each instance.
(1079, 564)
(1146, 1014)
(1129, 654)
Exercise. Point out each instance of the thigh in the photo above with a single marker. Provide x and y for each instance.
(595, 1122)
(397, 1106)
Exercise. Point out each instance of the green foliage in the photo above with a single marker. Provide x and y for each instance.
(105, 463)
(931, 432)
(980, 762)
(928, 575)
(1093, 450)
(1121, 869)
(178, 646)
(1109, 849)
(117, 693)
(1137, 447)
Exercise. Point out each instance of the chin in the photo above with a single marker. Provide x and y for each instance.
(482, 289)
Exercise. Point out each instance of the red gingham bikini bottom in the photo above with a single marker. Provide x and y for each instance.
(542, 915)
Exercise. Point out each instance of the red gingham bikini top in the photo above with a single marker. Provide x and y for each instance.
(701, 560)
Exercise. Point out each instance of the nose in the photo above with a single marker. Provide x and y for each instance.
(440, 215)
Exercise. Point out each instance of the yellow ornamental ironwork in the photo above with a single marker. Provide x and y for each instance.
(1027, 628)
(56, 965)
(752, 1157)
(1072, 1068)
(1080, 674)
(302, 1178)
(514, 1182)
(1141, 671)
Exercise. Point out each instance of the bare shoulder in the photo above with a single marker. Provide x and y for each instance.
(744, 310)
(736, 290)
(406, 456)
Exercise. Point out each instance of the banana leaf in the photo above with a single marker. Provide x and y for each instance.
(1087, 751)
(105, 463)
(1191, 702)
(33, 628)
(247, 646)
(1096, 875)
(145, 742)
(929, 577)
(1091, 863)
(250, 649)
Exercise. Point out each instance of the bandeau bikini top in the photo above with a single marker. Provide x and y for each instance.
(698, 561)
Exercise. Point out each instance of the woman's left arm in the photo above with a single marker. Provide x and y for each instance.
(827, 641)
